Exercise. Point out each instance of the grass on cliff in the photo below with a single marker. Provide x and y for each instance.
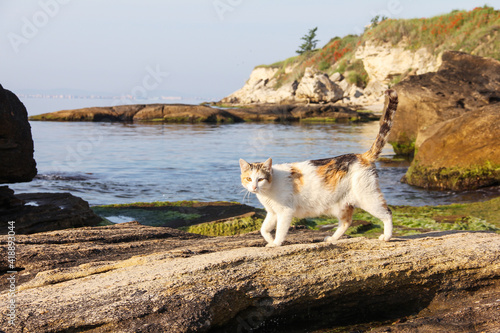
(407, 220)
(476, 32)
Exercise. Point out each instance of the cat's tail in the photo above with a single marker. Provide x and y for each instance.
(385, 127)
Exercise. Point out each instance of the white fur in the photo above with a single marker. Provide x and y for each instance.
(358, 188)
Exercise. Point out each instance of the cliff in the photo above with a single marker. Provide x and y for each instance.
(357, 69)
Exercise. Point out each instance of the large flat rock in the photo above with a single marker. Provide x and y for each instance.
(233, 284)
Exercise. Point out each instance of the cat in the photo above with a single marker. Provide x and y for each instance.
(330, 186)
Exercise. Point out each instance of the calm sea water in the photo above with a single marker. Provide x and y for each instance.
(107, 163)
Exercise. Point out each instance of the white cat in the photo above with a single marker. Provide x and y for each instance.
(332, 186)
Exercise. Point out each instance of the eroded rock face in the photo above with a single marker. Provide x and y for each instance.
(464, 83)
(459, 154)
(16, 144)
(181, 283)
(314, 87)
(383, 62)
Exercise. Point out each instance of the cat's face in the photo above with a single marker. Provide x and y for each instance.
(256, 177)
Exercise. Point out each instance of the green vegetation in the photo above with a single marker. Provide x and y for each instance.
(455, 178)
(152, 204)
(408, 220)
(476, 32)
(309, 42)
(227, 228)
(143, 216)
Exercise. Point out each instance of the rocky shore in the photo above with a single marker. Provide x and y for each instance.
(450, 121)
(184, 113)
(130, 278)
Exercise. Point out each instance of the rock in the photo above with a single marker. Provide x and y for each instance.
(143, 112)
(297, 112)
(460, 153)
(385, 61)
(464, 83)
(345, 86)
(336, 77)
(38, 212)
(16, 144)
(316, 87)
(131, 278)
(260, 88)
(198, 113)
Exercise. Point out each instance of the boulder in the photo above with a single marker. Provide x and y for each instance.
(16, 144)
(316, 87)
(460, 153)
(462, 84)
(38, 212)
(129, 278)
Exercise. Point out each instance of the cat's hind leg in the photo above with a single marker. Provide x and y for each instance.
(377, 207)
(268, 225)
(345, 220)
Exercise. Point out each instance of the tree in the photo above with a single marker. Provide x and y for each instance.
(309, 42)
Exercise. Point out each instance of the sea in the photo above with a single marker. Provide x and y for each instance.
(111, 163)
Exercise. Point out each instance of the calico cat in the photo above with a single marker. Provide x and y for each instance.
(331, 186)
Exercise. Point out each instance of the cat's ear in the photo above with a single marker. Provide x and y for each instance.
(244, 165)
(268, 164)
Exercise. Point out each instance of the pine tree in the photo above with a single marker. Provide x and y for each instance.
(309, 42)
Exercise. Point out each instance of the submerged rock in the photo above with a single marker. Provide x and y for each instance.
(130, 278)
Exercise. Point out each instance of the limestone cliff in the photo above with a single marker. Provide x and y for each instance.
(364, 66)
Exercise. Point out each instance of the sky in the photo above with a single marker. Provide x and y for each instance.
(195, 48)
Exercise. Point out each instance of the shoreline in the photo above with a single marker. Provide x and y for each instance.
(187, 113)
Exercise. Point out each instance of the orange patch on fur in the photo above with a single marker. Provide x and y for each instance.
(331, 174)
(297, 179)
(365, 160)
(244, 176)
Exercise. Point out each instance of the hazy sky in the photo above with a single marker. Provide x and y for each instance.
(204, 48)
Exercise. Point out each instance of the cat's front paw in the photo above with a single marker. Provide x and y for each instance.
(272, 245)
(384, 238)
(329, 239)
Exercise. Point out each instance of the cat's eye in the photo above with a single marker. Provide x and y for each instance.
(248, 179)
(261, 179)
